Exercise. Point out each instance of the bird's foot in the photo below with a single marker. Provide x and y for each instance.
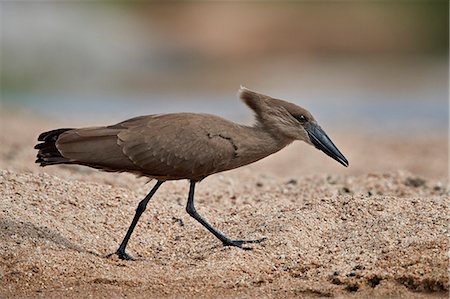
(121, 254)
(240, 243)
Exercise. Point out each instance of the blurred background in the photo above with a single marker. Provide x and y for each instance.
(374, 68)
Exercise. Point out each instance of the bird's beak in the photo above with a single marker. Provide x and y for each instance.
(321, 141)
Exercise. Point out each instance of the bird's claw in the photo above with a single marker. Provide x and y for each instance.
(122, 255)
(239, 243)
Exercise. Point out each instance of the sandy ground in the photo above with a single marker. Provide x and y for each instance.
(375, 229)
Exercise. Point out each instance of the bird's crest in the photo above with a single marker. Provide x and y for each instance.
(252, 99)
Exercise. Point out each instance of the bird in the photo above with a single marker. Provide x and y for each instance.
(186, 146)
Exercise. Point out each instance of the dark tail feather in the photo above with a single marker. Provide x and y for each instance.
(48, 154)
(52, 135)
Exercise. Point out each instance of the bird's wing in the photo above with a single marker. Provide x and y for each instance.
(96, 147)
(176, 145)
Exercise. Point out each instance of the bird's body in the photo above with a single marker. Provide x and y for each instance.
(185, 146)
(168, 146)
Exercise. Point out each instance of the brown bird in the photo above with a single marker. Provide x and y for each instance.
(186, 146)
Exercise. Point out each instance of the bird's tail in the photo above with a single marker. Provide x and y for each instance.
(48, 154)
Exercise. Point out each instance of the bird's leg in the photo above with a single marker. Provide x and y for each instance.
(140, 209)
(190, 208)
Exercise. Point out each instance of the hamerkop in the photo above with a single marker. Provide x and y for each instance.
(186, 146)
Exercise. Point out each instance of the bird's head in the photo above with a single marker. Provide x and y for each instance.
(288, 121)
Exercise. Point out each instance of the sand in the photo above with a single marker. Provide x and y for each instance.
(375, 229)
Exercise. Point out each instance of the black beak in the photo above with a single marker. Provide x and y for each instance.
(321, 141)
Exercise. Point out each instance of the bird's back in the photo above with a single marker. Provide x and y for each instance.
(169, 146)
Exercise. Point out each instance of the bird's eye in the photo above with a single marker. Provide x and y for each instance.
(301, 118)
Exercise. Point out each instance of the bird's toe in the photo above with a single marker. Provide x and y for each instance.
(240, 243)
(125, 256)
(121, 255)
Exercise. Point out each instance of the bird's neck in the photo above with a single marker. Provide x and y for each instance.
(258, 142)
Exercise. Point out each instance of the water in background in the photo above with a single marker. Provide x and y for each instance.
(404, 114)
(378, 66)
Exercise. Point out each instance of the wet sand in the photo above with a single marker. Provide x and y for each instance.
(375, 229)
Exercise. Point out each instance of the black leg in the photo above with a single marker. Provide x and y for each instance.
(190, 208)
(140, 209)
